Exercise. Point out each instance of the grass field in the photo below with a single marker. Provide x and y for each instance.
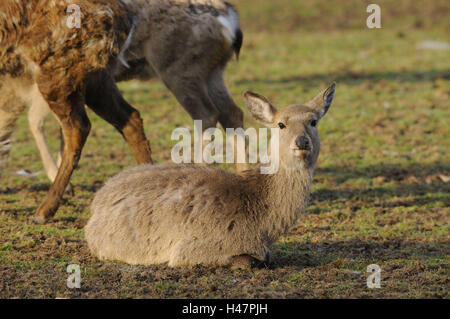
(381, 190)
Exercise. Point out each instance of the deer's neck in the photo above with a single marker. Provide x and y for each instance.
(283, 198)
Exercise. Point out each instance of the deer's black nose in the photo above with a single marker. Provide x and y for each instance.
(303, 143)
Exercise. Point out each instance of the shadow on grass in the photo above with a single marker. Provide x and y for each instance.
(10, 191)
(387, 170)
(410, 181)
(402, 190)
(312, 255)
(17, 212)
(353, 78)
(33, 188)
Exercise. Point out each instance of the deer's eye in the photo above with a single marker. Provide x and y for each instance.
(281, 125)
(314, 123)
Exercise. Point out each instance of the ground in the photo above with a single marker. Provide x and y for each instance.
(381, 189)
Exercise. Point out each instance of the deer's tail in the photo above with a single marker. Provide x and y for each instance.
(232, 29)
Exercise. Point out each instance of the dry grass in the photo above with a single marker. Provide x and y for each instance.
(379, 194)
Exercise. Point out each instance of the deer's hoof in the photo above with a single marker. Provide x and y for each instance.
(39, 220)
(69, 190)
(241, 262)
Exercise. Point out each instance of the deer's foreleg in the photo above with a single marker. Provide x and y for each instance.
(230, 115)
(76, 126)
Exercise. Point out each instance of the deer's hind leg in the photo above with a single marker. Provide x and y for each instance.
(230, 115)
(192, 93)
(207, 253)
(242, 262)
(37, 114)
(105, 99)
(200, 252)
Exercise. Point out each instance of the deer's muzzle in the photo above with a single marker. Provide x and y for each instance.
(303, 143)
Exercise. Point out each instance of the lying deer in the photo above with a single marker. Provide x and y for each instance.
(188, 215)
(198, 83)
(45, 63)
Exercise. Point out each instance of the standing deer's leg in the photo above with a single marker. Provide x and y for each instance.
(230, 115)
(38, 112)
(10, 109)
(11, 106)
(76, 126)
(192, 94)
(61, 148)
(104, 98)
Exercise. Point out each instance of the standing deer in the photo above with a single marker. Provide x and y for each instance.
(45, 63)
(205, 71)
(42, 57)
(188, 215)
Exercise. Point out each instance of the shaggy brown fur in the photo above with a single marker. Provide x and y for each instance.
(38, 48)
(188, 215)
(35, 32)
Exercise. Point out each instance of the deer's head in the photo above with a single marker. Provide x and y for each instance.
(299, 143)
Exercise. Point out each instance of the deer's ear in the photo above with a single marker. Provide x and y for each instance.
(322, 102)
(260, 108)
